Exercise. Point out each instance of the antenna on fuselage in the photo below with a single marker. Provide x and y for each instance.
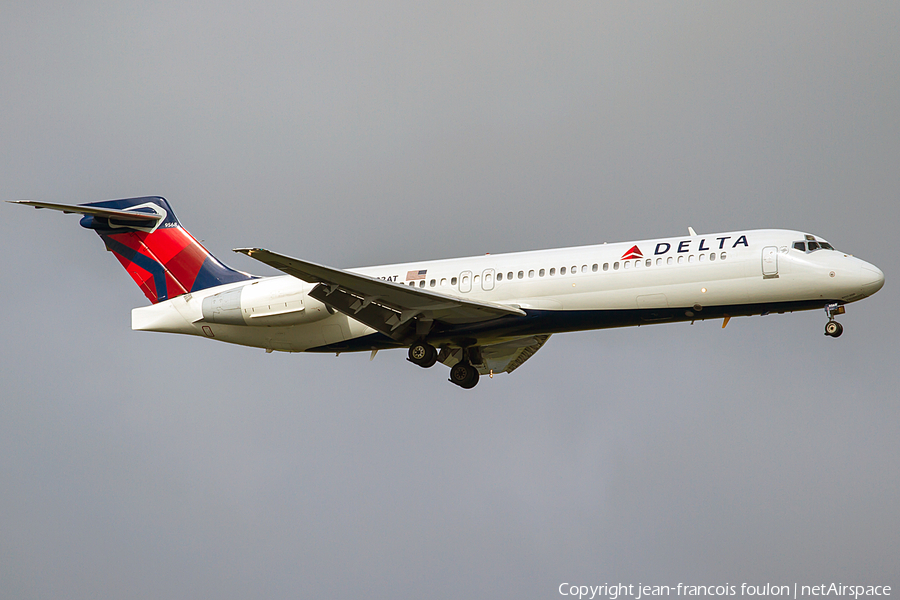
(691, 231)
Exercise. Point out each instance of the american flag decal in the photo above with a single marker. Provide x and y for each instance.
(416, 275)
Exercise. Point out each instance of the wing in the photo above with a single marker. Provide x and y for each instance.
(385, 306)
(145, 218)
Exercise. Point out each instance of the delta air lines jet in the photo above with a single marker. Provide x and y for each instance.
(479, 315)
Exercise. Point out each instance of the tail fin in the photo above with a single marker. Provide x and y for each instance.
(162, 257)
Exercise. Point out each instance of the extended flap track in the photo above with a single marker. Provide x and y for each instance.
(394, 324)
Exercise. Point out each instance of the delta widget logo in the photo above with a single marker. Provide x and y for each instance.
(634, 252)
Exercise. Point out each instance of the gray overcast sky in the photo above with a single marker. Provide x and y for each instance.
(137, 465)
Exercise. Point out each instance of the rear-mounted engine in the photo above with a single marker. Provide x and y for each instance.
(274, 302)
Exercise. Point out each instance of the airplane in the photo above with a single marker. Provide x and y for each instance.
(479, 315)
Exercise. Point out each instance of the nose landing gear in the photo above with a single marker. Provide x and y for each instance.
(832, 327)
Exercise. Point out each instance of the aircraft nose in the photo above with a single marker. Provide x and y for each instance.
(873, 278)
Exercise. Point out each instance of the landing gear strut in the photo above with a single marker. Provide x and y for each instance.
(832, 327)
(423, 354)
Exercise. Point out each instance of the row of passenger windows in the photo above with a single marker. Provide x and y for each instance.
(628, 264)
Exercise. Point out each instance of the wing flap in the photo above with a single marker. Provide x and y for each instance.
(376, 316)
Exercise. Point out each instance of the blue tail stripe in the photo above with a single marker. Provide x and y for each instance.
(145, 262)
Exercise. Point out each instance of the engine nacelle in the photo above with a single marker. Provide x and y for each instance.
(274, 302)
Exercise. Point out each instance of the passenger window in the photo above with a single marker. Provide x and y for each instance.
(465, 279)
(615, 266)
(669, 261)
(701, 258)
(722, 256)
(453, 281)
(499, 276)
(541, 273)
(422, 283)
(658, 262)
(606, 266)
(509, 275)
(443, 281)
(691, 258)
(681, 260)
(562, 270)
(432, 283)
(626, 265)
(531, 273)
(521, 274)
(574, 269)
(552, 272)
(412, 284)
(594, 267)
(649, 262)
(712, 256)
(584, 268)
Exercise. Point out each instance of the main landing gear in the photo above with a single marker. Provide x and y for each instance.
(423, 354)
(832, 327)
(464, 375)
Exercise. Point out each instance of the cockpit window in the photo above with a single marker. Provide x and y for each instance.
(812, 245)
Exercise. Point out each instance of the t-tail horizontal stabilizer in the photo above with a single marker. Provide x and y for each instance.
(147, 218)
(147, 239)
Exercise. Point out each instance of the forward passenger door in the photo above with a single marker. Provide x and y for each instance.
(770, 262)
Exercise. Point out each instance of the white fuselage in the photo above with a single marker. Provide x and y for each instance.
(564, 289)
